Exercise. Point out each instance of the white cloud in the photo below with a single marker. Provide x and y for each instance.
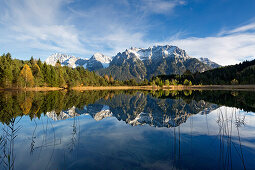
(59, 26)
(238, 45)
(249, 27)
(43, 27)
(39, 25)
(160, 6)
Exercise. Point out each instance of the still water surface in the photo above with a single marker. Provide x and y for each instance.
(127, 130)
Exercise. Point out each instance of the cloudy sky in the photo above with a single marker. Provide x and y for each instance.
(222, 30)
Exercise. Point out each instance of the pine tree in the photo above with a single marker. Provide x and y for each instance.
(46, 74)
(53, 77)
(38, 76)
(77, 77)
(15, 73)
(6, 76)
(39, 63)
(59, 71)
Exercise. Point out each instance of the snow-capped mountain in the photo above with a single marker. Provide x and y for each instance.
(66, 60)
(155, 52)
(97, 61)
(140, 63)
(209, 62)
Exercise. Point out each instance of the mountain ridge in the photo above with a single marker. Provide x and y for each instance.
(138, 63)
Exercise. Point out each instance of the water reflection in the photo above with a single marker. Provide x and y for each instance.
(127, 129)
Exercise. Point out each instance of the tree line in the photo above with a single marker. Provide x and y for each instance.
(16, 73)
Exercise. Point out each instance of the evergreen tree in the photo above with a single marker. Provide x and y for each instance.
(38, 76)
(59, 71)
(6, 71)
(39, 63)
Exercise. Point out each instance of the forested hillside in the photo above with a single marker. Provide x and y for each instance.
(243, 73)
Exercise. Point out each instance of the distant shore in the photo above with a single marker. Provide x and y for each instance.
(171, 87)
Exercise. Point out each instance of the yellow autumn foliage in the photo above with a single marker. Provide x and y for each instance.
(27, 76)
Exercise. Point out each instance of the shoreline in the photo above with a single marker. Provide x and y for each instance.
(32, 89)
(171, 87)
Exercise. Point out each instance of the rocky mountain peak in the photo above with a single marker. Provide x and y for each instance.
(65, 59)
(209, 62)
(101, 58)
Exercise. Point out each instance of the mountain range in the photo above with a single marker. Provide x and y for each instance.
(138, 63)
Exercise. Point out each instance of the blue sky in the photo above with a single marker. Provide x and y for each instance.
(222, 30)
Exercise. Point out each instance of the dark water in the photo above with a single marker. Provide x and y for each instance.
(127, 130)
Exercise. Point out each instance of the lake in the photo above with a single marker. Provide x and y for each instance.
(127, 130)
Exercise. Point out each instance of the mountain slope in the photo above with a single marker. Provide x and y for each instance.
(243, 73)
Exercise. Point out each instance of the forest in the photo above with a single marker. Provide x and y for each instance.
(242, 73)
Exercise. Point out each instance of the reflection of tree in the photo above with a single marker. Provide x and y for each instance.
(36, 103)
(226, 122)
(26, 105)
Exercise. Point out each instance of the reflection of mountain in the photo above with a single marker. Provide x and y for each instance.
(144, 109)
(65, 114)
(141, 109)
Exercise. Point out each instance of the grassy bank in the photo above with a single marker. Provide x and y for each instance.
(211, 87)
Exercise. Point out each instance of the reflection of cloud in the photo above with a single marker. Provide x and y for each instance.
(114, 139)
(228, 114)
